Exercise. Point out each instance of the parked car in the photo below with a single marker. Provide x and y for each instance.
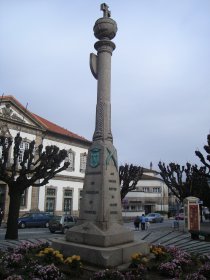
(154, 218)
(61, 223)
(179, 216)
(38, 219)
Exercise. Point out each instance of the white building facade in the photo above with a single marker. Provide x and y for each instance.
(151, 195)
(63, 193)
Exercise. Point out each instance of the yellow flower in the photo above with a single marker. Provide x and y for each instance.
(56, 252)
(144, 260)
(78, 258)
(135, 256)
(48, 250)
(68, 260)
(59, 256)
(40, 254)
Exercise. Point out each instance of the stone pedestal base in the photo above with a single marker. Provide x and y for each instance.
(100, 256)
(88, 233)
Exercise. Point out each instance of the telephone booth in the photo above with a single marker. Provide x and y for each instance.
(191, 214)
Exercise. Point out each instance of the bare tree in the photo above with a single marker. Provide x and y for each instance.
(202, 158)
(184, 181)
(36, 169)
(129, 177)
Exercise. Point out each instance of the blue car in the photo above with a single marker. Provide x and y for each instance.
(40, 219)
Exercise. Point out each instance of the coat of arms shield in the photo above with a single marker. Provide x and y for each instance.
(94, 157)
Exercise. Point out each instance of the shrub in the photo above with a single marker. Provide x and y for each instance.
(48, 272)
(195, 276)
(170, 269)
(108, 275)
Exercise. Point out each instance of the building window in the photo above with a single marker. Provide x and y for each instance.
(67, 201)
(133, 207)
(50, 200)
(23, 201)
(80, 197)
(83, 162)
(156, 190)
(24, 145)
(71, 159)
(145, 189)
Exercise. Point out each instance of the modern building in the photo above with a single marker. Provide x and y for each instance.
(63, 193)
(151, 195)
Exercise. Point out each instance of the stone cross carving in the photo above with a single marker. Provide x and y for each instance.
(104, 8)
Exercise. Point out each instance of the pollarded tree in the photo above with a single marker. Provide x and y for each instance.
(129, 177)
(184, 181)
(202, 158)
(206, 169)
(36, 169)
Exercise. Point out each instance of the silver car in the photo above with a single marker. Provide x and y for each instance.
(155, 218)
(61, 223)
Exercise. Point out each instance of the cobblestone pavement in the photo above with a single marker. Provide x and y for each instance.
(176, 238)
(166, 237)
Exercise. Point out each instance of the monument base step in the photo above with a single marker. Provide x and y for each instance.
(101, 256)
(90, 234)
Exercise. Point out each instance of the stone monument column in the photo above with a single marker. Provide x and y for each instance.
(99, 236)
(100, 211)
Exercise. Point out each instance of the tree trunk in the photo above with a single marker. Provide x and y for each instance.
(12, 221)
(201, 213)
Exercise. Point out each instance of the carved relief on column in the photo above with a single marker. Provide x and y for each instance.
(103, 129)
(98, 134)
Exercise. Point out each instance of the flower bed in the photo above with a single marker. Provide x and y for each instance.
(41, 262)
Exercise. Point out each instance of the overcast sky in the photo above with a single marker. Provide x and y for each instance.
(160, 71)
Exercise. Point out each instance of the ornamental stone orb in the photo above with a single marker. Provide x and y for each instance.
(105, 28)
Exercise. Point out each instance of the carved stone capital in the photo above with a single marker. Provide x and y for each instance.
(105, 46)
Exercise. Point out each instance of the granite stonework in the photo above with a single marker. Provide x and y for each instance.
(99, 236)
(101, 256)
(100, 222)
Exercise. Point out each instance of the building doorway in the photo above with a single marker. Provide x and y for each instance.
(147, 209)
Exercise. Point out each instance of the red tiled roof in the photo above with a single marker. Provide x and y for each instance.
(57, 129)
(47, 124)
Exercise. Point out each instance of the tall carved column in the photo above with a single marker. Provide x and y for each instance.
(100, 212)
(100, 237)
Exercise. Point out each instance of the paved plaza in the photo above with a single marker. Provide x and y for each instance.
(176, 237)
(166, 236)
